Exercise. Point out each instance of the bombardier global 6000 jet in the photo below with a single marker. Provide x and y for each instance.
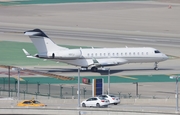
(93, 58)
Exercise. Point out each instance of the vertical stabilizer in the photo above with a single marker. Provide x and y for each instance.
(42, 42)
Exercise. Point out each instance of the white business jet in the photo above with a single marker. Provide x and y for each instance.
(93, 58)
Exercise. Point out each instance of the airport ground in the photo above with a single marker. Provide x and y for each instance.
(116, 24)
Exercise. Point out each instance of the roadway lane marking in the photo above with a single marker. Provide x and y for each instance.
(19, 78)
(127, 77)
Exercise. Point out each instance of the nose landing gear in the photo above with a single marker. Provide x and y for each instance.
(156, 66)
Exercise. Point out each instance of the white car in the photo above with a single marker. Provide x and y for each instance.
(95, 102)
(113, 99)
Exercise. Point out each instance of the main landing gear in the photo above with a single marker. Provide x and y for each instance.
(156, 66)
(94, 69)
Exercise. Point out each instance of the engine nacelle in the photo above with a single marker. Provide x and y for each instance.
(66, 54)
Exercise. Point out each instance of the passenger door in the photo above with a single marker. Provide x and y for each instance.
(88, 102)
(94, 101)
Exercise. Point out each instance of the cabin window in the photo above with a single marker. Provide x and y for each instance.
(104, 54)
(117, 54)
(108, 54)
(146, 53)
(125, 53)
(130, 53)
(88, 54)
(134, 53)
(91, 54)
(156, 51)
(142, 53)
(96, 54)
(100, 54)
(138, 53)
(121, 53)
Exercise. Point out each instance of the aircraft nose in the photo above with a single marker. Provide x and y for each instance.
(165, 57)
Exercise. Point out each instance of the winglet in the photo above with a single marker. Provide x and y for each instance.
(95, 61)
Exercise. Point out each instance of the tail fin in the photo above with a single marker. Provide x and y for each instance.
(42, 42)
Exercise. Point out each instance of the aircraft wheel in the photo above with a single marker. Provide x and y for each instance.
(94, 69)
(98, 105)
(156, 68)
(83, 105)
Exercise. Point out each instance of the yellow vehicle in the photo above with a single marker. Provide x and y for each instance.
(31, 103)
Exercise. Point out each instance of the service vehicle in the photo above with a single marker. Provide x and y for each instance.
(112, 99)
(31, 103)
(95, 102)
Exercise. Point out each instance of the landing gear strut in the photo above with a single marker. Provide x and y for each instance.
(84, 68)
(94, 69)
(156, 66)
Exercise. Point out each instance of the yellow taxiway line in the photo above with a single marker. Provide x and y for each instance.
(19, 78)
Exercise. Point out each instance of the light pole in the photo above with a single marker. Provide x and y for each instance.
(18, 69)
(78, 87)
(136, 88)
(176, 77)
(72, 91)
(9, 80)
(108, 81)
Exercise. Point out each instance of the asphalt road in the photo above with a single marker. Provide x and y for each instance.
(161, 40)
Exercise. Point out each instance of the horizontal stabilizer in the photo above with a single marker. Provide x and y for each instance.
(35, 32)
(28, 55)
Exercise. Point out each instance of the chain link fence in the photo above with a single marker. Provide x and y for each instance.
(62, 91)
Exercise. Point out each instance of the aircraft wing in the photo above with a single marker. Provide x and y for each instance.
(108, 62)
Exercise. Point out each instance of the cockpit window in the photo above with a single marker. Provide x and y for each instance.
(156, 51)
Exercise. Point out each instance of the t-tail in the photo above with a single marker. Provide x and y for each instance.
(44, 45)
